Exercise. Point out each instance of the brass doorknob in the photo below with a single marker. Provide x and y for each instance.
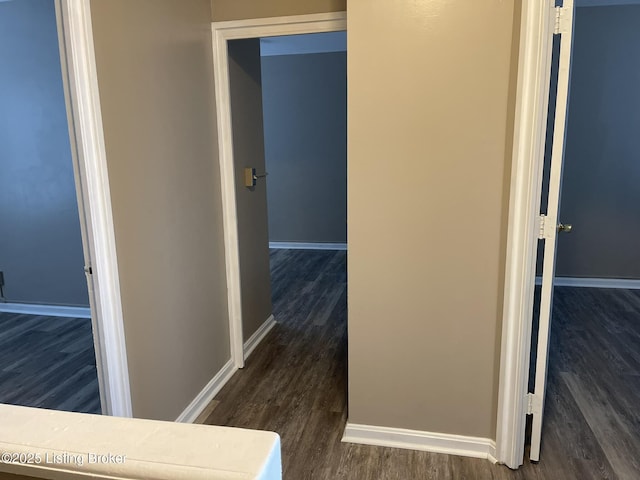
(566, 228)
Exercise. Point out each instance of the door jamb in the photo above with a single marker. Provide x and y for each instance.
(534, 77)
(90, 164)
(222, 33)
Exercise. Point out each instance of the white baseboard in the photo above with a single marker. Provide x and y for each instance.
(46, 310)
(204, 398)
(624, 283)
(207, 394)
(308, 246)
(417, 440)
(251, 344)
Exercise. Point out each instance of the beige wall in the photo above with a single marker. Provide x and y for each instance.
(429, 128)
(156, 90)
(242, 9)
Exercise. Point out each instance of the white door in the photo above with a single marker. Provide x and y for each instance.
(550, 225)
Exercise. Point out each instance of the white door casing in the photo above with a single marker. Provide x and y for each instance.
(538, 23)
(222, 33)
(90, 167)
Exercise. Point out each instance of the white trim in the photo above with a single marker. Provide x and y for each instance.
(208, 393)
(223, 32)
(308, 246)
(85, 100)
(229, 211)
(465, 446)
(534, 70)
(276, 26)
(255, 339)
(46, 310)
(621, 283)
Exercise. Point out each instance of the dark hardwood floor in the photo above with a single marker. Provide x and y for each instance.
(294, 383)
(595, 365)
(48, 362)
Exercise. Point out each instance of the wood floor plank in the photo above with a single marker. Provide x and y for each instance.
(326, 304)
(570, 448)
(617, 442)
(48, 362)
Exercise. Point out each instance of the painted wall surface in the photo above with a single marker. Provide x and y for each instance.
(305, 125)
(430, 129)
(242, 9)
(158, 106)
(40, 241)
(600, 194)
(251, 203)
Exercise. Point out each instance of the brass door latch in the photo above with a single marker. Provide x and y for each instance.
(251, 177)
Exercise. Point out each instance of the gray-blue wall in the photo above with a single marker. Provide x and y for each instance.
(601, 178)
(40, 242)
(305, 114)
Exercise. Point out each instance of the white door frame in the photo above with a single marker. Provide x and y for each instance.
(92, 182)
(532, 98)
(222, 33)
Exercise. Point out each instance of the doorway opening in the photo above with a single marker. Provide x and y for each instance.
(281, 103)
(247, 112)
(288, 106)
(47, 357)
(57, 110)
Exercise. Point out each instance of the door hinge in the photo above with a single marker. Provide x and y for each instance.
(546, 229)
(534, 405)
(541, 220)
(560, 21)
(88, 270)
